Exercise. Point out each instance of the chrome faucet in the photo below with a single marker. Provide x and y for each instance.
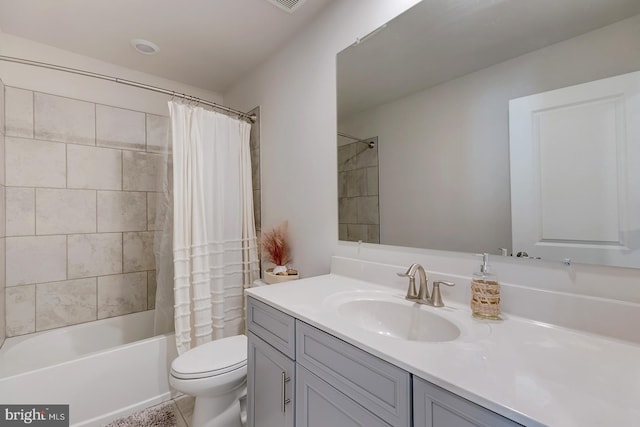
(421, 296)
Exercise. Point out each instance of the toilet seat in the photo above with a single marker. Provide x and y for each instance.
(212, 359)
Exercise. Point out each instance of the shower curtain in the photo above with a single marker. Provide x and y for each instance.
(214, 247)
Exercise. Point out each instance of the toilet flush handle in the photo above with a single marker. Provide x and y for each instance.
(284, 401)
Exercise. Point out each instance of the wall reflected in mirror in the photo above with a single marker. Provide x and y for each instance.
(434, 87)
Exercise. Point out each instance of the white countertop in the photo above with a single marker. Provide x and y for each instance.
(532, 373)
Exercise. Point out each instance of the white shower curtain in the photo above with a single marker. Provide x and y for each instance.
(214, 239)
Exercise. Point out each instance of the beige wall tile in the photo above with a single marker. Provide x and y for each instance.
(94, 168)
(152, 285)
(94, 254)
(152, 201)
(122, 211)
(21, 310)
(138, 251)
(141, 171)
(3, 317)
(32, 163)
(158, 134)
(65, 303)
(348, 210)
(36, 259)
(3, 211)
(18, 112)
(368, 212)
(122, 294)
(2, 166)
(64, 119)
(21, 211)
(120, 128)
(372, 181)
(65, 211)
(2, 103)
(342, 232)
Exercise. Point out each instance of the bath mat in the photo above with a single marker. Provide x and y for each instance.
(162, 415)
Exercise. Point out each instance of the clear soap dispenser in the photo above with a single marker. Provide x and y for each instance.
(485, 292)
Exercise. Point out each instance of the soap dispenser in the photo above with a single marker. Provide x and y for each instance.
(485, 292)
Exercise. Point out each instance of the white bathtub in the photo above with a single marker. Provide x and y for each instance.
(103, 370)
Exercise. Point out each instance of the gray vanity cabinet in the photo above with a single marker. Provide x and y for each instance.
(270, 367)
(435, 407)
(301, 376)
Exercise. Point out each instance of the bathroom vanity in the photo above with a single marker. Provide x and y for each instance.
(332, 350)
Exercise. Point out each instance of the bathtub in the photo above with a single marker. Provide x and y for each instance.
(103, 369)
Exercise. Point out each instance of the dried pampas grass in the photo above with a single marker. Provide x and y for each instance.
(275, 245)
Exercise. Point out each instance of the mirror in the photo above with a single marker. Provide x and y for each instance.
(424, 144)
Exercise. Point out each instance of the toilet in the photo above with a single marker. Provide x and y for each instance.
(214, 373)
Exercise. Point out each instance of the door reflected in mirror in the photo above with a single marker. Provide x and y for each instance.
(434, 87)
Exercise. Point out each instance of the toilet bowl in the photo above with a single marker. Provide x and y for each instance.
(214, 373)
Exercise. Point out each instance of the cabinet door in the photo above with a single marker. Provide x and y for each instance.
(321, 405)
(270, 384)
(435, 407)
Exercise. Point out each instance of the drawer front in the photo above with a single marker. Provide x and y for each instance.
(273, 326)
(436, 407)
(378, 386)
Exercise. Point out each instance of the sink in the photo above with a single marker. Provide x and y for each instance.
(397, 320)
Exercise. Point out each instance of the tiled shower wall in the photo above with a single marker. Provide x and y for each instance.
(2, 215)
(81, 184)
(254, 143)
(358, 200)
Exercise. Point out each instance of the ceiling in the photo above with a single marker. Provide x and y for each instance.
(439, 40)
(205, 43)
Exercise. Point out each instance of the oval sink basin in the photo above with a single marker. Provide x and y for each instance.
(402, 321)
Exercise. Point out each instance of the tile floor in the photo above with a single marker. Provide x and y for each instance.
(183, 406)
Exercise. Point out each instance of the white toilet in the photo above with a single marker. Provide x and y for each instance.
(214, 373)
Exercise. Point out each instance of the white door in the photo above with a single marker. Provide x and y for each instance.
(575, 172)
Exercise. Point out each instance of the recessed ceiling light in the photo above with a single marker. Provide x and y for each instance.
(145, 47)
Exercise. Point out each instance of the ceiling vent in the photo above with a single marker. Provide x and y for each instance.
(287, 5)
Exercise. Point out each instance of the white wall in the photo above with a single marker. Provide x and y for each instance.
(87, 88)
(447, 147)
(296, 90)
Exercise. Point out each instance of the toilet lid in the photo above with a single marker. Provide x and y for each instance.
(213, 358)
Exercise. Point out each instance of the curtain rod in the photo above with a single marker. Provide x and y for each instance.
(244, 116)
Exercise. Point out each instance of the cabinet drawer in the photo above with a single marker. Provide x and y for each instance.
(380, 387)
(436, 407)
(273, 326)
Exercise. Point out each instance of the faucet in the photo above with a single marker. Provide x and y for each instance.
(412, 293)
(421, 296)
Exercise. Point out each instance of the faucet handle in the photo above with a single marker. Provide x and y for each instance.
(436, 296)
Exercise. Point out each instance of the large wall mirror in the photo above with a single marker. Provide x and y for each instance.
(509, 127)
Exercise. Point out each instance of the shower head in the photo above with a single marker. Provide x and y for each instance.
(371, 143)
